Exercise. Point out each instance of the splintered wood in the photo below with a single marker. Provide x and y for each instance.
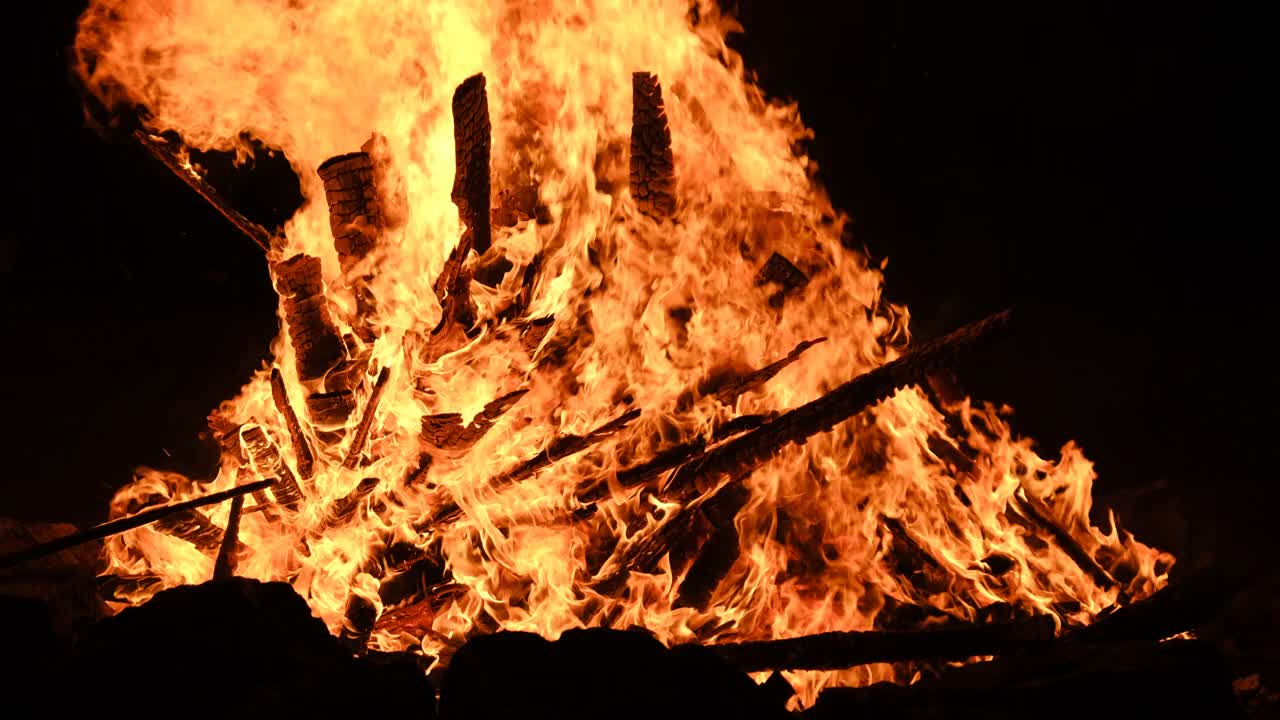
(653, 168)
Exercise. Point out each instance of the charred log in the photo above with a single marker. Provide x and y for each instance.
(783, 274)
(653, 169)
(1033, 510)
(471, 187)
(301, 446)
(344, 508)
(225, 565)
(192, 526)
(268, 463)
(329, 411)
(316, 342)
(643, 473)
(718, 554)
(120, 525)
(838, 650)
(355, 212)
(445, 433)
(729, 391)
(361, 435)
(359, 617)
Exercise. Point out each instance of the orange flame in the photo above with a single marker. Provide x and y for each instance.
(648, 314)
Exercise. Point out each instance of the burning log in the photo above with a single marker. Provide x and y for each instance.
(471, 191)
(315, 339)
(192, 526)
(742, 454)
(653, 169)
(175, 159)
(446, 433)
(344, 508)
(225, 566)
(1188, 604)
(301, 446)
(1034, 510)
(560, 448)
(329, 411)
(728, 392)
(360, 616)
(718, 554)
(120, 525)
(268, 463)
(838, 650)
(643, 473)
(355, 213)
(366, 421)
(781, 272)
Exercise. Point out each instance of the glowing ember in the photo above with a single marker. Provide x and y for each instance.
(468, 377)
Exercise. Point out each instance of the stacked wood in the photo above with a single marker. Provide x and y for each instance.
(445, 434)
(268, 463)
(301, 446)
(317, 345)
(653, 169)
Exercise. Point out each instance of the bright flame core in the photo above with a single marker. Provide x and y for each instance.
(646, 315)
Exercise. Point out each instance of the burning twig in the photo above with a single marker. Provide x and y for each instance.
(1034, 511)
(366, 421)
(653, 169)
(730, 391)
(838, 650)
(120, 525)
(344, 508)
(301, 446)
(175, 159)
(225, 566)
(560, 448)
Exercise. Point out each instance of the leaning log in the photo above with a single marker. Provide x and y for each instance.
(344, 508)
(839, 650)
(1034, 510)
(471, 138)
(192, 526)
(653, 169)
(301, 446)
(361, 435)
(225, 565)
(718, 554)
(120, 525)
(268, 463)
(317, 345)
(445, 434)
(729, 391)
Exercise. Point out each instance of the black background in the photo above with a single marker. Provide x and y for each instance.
(1102, 168)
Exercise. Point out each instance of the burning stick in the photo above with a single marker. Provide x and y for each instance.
(471, 131)
(193, 527)
(301, 447)
(175, 159)
(653, 169)
(1033, 510)
(560, 448)
(120, 525)
(445, 432)
(344, 508)
(718, 554)
(225, 566)
(366, 421)
(730, 391)
(838, 650)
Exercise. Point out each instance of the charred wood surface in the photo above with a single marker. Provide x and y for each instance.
(729, 391)
(192, 526)
(268, 463)
(837, 650)
(120, 525)
(301, 446)
(316, 342)
(446, 433)
(718, 554)
(471, 187)
(330, 410)
(355, 213)
(344, 508)
(653, 169)
(1039, 515)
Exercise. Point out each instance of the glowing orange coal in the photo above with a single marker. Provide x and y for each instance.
(655, 302)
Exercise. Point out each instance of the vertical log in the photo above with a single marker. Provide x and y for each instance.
(301, 446)
(317, 345)
(471, 187)
(225, 566)
(653, 169)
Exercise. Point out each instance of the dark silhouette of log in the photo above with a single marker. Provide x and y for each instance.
(729, 391)
(643, 473)
(838, 650)
(653, 168)
(301, 446)
(361, 435)
(360, 616)
(120, 525)
(173, 158)
(1187, 604)
(560, 448)
(446, 433)
(268, 463)
(718, 554)
(781, 272)
(225, 565)
(739, 425)
(316, 342)
(471, 188)
(344, 508)
(192, 526)
(329, 411)
(1101, 682)
(1034, 510)
(742, 454)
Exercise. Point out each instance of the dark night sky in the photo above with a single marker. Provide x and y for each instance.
(1089, 164)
